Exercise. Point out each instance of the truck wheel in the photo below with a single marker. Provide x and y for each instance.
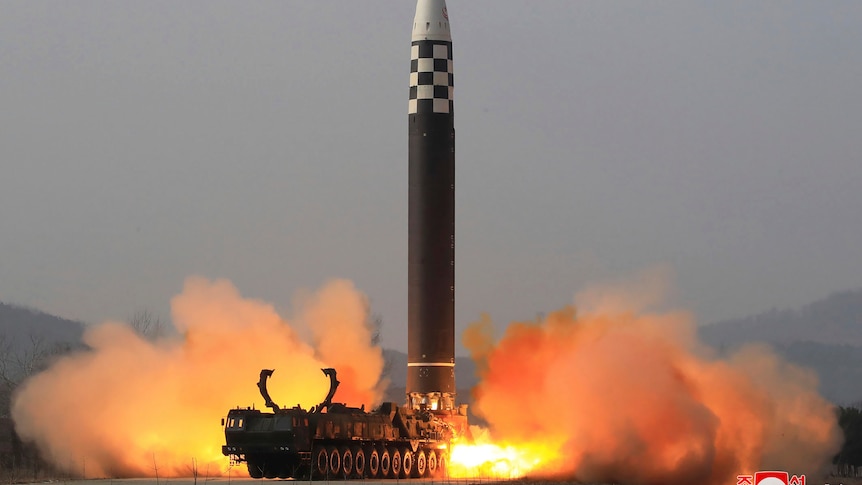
(406, 463)
(334, 461)
(358, 462)
(395, 468)
(432, 463)
(441, 465)
(346, 462)
(303, 472)
(255, 469)
(374, 463)
(320, 463)
(385, 463)
(421, 465)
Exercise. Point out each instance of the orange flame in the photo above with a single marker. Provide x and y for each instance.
(483, 458)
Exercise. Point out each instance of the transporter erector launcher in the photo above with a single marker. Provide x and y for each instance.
(431, 213)
(332, 440)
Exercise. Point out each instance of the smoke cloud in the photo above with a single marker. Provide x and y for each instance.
(617, 392)
(131, 407)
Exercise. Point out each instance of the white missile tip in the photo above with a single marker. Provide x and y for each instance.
(431, 21)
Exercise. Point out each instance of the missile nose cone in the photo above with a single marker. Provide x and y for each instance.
(431, 21)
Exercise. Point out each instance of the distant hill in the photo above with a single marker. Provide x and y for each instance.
(825, 336)
(836, 319)
(838, 366)
(28, 340)
(18, 324)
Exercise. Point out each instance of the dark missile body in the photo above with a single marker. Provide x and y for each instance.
(431, 226)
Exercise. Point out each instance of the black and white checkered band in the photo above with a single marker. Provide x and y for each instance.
(431, 81)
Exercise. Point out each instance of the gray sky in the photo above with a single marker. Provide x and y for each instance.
(266, 142)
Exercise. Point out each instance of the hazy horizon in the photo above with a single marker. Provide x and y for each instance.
(266, 143)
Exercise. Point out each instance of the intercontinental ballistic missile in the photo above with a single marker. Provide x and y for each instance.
(431, 225)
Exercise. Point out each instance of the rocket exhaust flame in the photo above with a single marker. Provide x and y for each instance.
(613, 392)
(129, 407)
(616, 393)
(484, 458)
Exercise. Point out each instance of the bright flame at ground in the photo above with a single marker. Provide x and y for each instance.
(620, 393)
(485, 459)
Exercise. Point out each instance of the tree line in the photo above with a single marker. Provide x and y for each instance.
(23, 358)
(19, 460)
(848, 461)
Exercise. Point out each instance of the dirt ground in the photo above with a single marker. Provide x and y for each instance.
(247, 481)
(808, 481)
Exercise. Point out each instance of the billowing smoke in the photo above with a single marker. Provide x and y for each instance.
(128, 406)
(609, 391)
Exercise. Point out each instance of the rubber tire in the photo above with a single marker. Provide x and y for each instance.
(420, 468)
(346, 462)
(432, 463)
(255, 469)
(334, 462)
(360, 464)
(385, 464)
(320, 463)
(407, 463)
(373, 463)
(395, 468)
